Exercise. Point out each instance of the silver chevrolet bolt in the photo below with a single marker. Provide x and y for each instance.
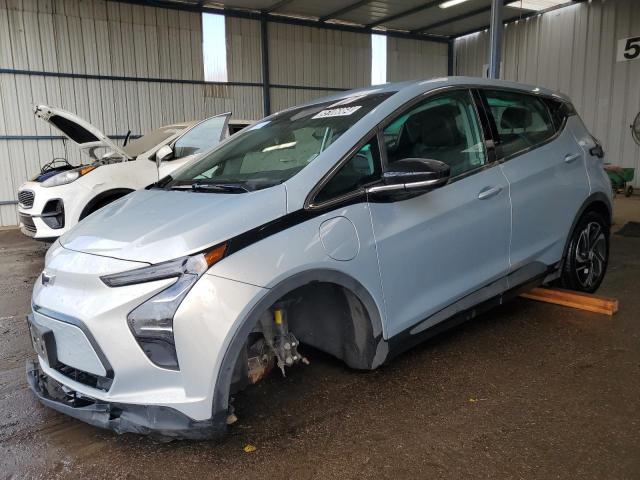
(358, 224)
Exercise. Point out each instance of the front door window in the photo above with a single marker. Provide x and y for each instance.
(442, 128)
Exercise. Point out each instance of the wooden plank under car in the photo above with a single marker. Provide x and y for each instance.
(567, 298)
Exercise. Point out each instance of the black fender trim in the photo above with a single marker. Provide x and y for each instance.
(379, 347)
(114, 192)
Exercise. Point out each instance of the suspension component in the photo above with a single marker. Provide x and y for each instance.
(281, 342)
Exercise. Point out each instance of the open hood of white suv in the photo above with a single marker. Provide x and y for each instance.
(85, 135)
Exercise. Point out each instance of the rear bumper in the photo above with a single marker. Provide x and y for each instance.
(158, 421)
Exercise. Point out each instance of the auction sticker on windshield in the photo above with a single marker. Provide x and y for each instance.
(337, 112)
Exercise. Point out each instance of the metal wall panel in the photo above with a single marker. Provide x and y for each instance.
(573, 50)
(415, 59)
(243, 50)
(113, 39)
(319, 58)
(99, 38)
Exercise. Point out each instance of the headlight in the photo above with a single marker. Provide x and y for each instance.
(152, 322)
(67, 176)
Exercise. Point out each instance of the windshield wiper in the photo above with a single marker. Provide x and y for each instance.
(218, 187)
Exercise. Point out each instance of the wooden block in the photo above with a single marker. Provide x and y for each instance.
(567, 298)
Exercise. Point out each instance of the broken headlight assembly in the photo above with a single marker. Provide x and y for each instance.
(151, 323)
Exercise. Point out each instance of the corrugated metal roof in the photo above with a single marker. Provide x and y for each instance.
(420, 17)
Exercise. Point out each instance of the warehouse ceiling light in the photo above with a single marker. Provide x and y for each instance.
(451, 3)
(536, 5)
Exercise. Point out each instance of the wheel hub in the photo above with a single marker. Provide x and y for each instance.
(590, 255)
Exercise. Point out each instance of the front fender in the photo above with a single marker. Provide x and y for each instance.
(247, 319)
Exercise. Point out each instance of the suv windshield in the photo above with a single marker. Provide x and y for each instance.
(274, 150)
(153, 138)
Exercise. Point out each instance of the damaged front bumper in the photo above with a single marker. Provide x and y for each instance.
(160, 422)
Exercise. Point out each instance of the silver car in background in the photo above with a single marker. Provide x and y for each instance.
(358, 224)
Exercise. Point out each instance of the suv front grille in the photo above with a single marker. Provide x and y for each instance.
(25, 198)
(27, 223)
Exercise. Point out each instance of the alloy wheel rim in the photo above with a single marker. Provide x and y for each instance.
(590, 255)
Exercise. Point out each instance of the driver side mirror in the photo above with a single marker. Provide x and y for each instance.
(164, 153)
(412, 176)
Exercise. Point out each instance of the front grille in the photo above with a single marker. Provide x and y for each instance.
(86, 378)
(25, 198)
(27, 223)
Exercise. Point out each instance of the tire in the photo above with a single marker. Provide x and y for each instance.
(587, 257)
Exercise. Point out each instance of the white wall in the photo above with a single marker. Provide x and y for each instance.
(98, 38)
(113, 39)
(573, 50)
(415, 59)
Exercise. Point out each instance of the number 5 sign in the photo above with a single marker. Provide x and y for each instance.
(628, 49)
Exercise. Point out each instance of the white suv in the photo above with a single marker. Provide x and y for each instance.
(62, 194)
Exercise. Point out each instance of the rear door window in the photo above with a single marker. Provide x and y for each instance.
(523, 121)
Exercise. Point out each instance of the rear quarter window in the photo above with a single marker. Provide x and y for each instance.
(560, 111)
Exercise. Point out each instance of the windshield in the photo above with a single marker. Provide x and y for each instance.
(151, 139)
(272, 151)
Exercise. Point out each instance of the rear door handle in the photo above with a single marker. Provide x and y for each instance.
(489, 192)
(570, 157)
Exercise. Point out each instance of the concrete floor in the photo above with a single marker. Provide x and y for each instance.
(528, 390)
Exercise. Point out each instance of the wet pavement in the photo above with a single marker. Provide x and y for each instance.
(528, 390)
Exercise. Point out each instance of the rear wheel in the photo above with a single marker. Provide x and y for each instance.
(588, 254)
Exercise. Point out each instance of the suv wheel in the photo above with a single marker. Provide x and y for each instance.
(588, 254)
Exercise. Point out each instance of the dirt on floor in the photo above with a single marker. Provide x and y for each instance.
(528, 390)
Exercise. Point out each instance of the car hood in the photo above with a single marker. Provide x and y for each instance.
(79, 131)
(157, 225)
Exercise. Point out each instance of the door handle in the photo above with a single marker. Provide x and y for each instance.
(489, 192)
(570, 157)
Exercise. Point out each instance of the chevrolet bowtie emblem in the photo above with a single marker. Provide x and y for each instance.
(47, 278)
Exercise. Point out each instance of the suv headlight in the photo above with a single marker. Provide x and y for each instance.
(152, 322)
(67, 176)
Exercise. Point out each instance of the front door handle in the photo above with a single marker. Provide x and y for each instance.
(570, 157)
(489, 192)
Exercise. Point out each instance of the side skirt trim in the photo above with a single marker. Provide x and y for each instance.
(415, 335)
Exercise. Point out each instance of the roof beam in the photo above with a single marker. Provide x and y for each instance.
(524, 16)
(282, 19)
(276, 6)
(404, 13)
(343, 10)
(484, 10)
(457, 18)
